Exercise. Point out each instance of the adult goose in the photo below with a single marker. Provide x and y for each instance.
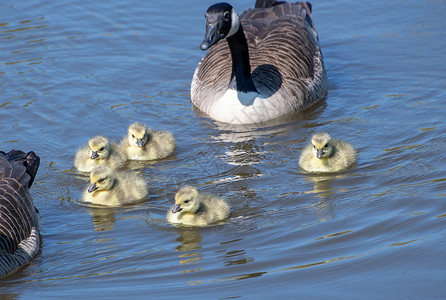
(277, 66)
(19, 218)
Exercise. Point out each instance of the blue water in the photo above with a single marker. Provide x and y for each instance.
(71, 69)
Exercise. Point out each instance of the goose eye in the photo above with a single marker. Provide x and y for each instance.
(326, 146)
(101, 180)
(314, 146)
(186, 201)
(226, 15)
(102, 149)
(133, 136)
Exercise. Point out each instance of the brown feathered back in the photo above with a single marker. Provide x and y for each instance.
(19, 220)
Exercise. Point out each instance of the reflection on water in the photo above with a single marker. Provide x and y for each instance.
(103, 218)
(189, 239)
(95, 67)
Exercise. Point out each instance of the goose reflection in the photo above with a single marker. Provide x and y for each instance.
(237, 133)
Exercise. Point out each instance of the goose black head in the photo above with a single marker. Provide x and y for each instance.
(222, 21)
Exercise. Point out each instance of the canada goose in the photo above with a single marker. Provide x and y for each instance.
(142, 143)
(19, 218)
(113, 188)
(278, 41)
(99, 151)
(325, 154)
(196, 209)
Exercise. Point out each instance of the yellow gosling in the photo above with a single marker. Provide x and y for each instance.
(99, 151)
(195, 209)
(142, 143)
(111, 188)
(325, 154)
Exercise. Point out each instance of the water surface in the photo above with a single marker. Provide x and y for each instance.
(73, 69)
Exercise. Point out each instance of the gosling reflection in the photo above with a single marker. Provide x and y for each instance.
(322, 188)
(103, 218)
(189, 239)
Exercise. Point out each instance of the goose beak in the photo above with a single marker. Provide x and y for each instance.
(211, 37)
(92, 188)
(176, 208)
(139, 143)
(320, 153)
(94, 154)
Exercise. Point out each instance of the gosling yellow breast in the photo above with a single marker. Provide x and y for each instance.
(196, 209)
(325, 154)
(142, 143)
(113, 188)
(99, 151)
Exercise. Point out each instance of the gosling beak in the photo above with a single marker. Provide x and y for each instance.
(211, 37)
(139, 143)
(94, 154)
(176, 208)
(320, 153)
(92, 188)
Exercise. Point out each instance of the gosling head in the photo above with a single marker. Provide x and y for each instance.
(322, 145)
(99, 146)
(186, 200)
(138, 135)
(101, 179)
(222, 21)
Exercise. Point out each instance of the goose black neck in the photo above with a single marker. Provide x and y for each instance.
(241, 79)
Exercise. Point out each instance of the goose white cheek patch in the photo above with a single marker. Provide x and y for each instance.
(235, 23)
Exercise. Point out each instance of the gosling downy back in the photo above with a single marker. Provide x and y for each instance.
(277, 66)
(99, 151)
(19, 218)
(325, 154)
(114, 188)
(142, 143)
(196, 209)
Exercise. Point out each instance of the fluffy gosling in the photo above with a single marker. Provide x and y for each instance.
(325, 154)
(99, 151)
(142, 143)
(111, 188)
(195, 209)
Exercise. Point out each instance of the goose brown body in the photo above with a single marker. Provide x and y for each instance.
(19, 218)
(286, 63)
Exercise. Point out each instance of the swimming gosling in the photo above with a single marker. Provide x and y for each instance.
(112, 188)
(195, 209)
(325, 154)
(142, 143)
(99, 151)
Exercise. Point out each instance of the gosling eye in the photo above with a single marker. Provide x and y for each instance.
(102, 149)
(186, 201)
(226, 15)
(101, 180)
(133, 136)
(326, 146)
